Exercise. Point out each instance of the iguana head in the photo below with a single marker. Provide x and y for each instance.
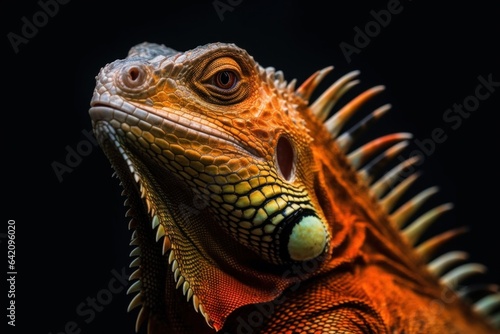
(217, 164)
(239, 188)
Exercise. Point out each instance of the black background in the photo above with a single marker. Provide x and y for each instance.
(70, 235)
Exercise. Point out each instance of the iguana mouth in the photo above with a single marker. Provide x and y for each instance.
(168, 123)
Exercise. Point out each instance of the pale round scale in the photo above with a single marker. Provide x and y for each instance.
(308, 239)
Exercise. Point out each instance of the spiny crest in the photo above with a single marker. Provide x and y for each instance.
(167, 251)
(371, 160)
(161, 236)
(276, 80)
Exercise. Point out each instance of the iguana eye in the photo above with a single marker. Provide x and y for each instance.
(221, 81)
(225, 79)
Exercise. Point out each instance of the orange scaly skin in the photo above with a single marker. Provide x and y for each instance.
(245, 204)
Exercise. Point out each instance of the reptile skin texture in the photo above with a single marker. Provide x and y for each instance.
(255, 208)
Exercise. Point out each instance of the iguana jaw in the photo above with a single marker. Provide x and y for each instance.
(150, 224)
(185, 239)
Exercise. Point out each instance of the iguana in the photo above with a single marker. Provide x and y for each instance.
(252, 205)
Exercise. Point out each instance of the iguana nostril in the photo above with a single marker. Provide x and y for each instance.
(133, 73)
(133, 76)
